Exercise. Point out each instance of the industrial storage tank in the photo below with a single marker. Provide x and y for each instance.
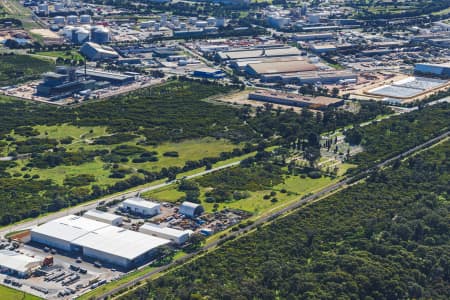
(58, 6)
(85, 19)
(43, 8)
(72, 19)
(80, 36)
(67, 31)
(100, 34)
(59, 20)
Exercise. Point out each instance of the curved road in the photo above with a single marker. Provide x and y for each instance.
(274, 215)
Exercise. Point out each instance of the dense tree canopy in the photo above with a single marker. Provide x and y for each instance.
(386, 238)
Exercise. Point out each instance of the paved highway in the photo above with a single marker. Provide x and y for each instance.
(274, 215)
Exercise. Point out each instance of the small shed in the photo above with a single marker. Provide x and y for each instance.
(190, 209)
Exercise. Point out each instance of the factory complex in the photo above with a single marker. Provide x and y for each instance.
(319, 102)
(408, 88)
(97, 240)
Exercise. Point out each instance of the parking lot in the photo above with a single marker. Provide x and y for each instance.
(65, 276)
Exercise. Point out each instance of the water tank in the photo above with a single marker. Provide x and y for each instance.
(100, 35)
(59, 20)
(85, 19)
(80, 36)
(43, 8)
(72, 19)
(67, 31)
(58, 6)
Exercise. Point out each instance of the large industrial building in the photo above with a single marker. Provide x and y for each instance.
(279, 67)
(435, 69)
(176, 236)
(295, 99)
(312, 77)
(18, 264)
(139, 206)
(96, 52)
(111, 77)
(63, 81)
(97, 240)
(209, 73)
(258, 52)
(408, 88)
(66, 81)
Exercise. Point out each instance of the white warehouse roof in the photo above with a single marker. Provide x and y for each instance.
(120, 242)
(18, 262)
(69, 228)
(98, 214)
(139, 202)
(164, 230)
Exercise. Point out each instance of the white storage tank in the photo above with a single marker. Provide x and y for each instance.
(43, 8)
(72, 19)
(100, 35)
(59, 20)
(85, 19)
(80, 36)
(67, 31)
(58, 6)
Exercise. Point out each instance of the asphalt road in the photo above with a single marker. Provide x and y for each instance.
(274, 215)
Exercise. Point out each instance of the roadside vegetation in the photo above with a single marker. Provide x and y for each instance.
(385, 238)
(390, 137)
(12, 294)
(65, 156)
(16, 69)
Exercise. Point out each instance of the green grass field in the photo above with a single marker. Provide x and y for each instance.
(7, 293)
(83, 138)
(295, 186)
(70, 54)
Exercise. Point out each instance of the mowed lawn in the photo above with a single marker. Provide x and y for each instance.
(7, 293)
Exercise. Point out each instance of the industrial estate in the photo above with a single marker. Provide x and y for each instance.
(225, 149)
